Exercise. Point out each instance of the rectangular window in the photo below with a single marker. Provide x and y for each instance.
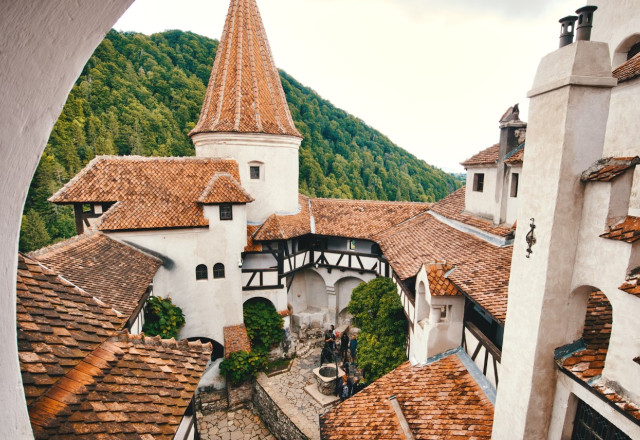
(590, 425)
(226, 212)
(352, 245)
(254, 172)
(478, 182)
(514, 184)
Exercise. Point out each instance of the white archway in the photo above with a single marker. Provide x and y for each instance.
(44, 46)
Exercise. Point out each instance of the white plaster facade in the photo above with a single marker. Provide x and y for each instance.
(276, 190)
(209, 304)
(481, 203)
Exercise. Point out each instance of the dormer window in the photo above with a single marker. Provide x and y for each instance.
(226, 212)
(478, 182)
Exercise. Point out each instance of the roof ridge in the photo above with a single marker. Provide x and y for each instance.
(143, 339)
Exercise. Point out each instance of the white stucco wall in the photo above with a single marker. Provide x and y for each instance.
(208, 305)
(623, 130)
(43, 47)
(277, 189)
(614, 22)
(481, 203)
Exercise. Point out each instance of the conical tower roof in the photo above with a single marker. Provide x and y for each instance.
(245, 93)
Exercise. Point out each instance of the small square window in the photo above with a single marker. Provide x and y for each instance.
(352, 245)
(226, 212)
(514, 184)
(254, 172)
(478, 182)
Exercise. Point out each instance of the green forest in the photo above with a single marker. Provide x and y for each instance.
(142, 95)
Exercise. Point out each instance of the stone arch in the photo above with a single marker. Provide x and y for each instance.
(343, 289)
(261, 299)
(589, 315)
(33, 98)
(620, 53)
(422, 305)
(218, 348)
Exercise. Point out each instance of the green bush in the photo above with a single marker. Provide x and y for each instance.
(377, 312)
(162, 317)
(264, 325)
(243, 365)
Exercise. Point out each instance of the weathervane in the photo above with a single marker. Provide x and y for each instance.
(531, 238)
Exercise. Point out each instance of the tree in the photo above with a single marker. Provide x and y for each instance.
(33, 233)
(378, 313)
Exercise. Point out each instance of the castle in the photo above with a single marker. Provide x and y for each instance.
(538, 318)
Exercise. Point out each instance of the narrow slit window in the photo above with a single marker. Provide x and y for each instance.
(514, 184)
(478, 182)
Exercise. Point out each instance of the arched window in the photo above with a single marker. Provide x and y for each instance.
(201, 272)
(218, 270)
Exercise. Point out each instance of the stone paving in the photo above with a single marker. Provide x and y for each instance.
(245, 424)
(241, 424)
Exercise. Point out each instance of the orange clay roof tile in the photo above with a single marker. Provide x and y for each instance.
(252, 246)
(131, 386)
(482, 269)
(488, 156)
(453, 208)
(605, 170)
(517, 158)
(440, 400)
(58, 326)
(245, 94)
(628, 70)
(150, 193)
(224, 188)
(109, 270)
(236, 339)
(627, 230)
(439, 284)
(587, 363)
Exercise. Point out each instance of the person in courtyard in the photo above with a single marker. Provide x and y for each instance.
(344, 388)
(329, 344)
(344, 346)
(353, 345)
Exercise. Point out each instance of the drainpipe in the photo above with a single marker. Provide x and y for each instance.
(585, 22)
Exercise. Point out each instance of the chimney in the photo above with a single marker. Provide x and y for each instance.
(566, 30)
(585, 22)
(512, 131)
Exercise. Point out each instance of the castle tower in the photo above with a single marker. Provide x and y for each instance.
(568, 115)
(245, 115)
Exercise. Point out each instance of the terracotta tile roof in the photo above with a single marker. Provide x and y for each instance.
(439, 401)
(452, 207)
(361, 218)
(439, 285)
(131, 386)
(628, 70)
(115, 273)
(236, 339)
(278, 227)
(224, 188)
(481, 269)
(587, 362)
(488, 156)
(151, 192)
(627, 230)
(252, 246)
(517, 157)
(632, 284)
(58, 326)
(245, 93)
(605, 170)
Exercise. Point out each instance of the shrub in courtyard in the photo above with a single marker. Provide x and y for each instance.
(162, 317)
(377, 311)
(264, 324)
(243, 365)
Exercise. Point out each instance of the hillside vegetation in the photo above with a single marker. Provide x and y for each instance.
(142, 94)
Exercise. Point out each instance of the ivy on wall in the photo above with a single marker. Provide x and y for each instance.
(162, 317)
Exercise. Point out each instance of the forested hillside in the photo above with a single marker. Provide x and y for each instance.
(142, 95)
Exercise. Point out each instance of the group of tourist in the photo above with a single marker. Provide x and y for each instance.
(346, 386)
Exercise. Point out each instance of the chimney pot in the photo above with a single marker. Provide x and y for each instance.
(585, 22)
(566, 29)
